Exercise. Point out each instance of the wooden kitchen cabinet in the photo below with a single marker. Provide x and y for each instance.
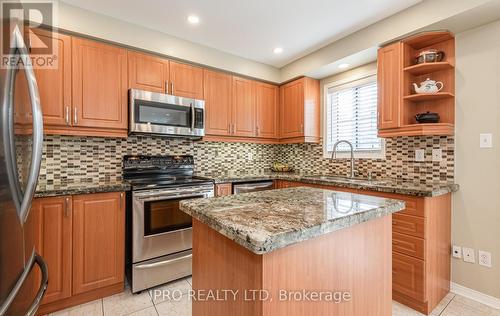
(53, 241)
(266, 110)
(186, 80)
(389, 64)
(99, 86)
(98, 241)
(243, 108)
(148, 72)
(218, 103)
(300, 111)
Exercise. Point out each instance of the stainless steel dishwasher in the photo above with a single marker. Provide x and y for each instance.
(252, 186)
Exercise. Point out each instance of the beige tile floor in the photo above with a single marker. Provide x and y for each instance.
(145, 304)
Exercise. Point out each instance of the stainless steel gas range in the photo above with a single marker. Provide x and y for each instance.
(159, 234)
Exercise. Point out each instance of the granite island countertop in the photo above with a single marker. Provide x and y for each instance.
(80, 187)
(428, 189)
(268, 220)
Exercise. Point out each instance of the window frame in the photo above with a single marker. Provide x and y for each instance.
(341, 84)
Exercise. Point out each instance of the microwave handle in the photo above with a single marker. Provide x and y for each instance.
(193, 116)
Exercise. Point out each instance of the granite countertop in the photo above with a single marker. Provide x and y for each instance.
(268, 220)
(81, 187)
(429, 189)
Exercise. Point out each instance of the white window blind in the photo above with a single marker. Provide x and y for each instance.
(352, 115)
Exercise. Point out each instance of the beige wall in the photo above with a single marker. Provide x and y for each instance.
(88, 23)
(476, 207)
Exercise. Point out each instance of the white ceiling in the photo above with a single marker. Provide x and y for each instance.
(253, 28)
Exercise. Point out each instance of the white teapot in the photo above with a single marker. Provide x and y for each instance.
(428, 86)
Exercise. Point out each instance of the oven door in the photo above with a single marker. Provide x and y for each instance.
(157, 113)
(159, 227)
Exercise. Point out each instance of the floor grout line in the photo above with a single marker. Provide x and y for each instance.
(454, 295)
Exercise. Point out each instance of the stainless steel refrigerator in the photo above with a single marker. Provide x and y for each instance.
(23, 273)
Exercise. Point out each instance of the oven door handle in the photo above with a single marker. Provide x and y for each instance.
(162, 263)
(170, 197)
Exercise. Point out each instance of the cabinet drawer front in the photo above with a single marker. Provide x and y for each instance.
(408, 276)
(410, 225)
(408, 245)
(414, 205)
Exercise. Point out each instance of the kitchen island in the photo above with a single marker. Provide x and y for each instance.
(297, 251)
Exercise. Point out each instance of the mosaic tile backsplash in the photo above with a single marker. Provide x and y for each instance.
(68, 159)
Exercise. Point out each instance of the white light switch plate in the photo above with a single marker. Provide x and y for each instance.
(419, 155)
(485, 140)
(437, 155)
(484, 258)
(469, 255)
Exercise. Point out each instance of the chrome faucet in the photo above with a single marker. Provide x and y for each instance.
(334, 154)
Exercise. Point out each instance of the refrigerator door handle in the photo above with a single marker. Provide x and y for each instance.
(34, 259)
(23, 201)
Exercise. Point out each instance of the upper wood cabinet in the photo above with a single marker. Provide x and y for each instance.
(99, 85)
(389, 85)
(243, 108)
(54, 85)
(300, 111)
(266, 108)
(218, 103)
(53, 241)
(186, 80)
(98, 241)
(147, 72)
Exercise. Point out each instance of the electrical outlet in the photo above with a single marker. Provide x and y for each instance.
(484, 258)
(457, 252)
(485, 140)
(419, 155)
(437, 155)
(469, 255)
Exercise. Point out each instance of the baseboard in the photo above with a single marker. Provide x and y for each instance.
(475, 295)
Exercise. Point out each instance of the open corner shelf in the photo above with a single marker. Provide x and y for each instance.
(427, 68)
(428, 96)
(434, 129)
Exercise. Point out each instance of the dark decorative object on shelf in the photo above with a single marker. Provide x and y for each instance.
(429, 56)
(427, 117)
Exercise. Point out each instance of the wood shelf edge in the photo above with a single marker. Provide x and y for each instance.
(438, 129)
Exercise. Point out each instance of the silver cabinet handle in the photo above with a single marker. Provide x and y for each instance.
(166, 87)
(172, 88)
(66, 207)
(121, 200)
(193, 116)
(234, 129)
(229, 128)
(257, 130)
(162, 263)
(22, 200)
(75, 115)
(34, 259)
(67, 116)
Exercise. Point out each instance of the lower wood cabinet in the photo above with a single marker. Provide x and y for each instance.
(421, 253)
(82, 239)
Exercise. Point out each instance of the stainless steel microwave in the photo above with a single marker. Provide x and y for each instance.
(164, 114)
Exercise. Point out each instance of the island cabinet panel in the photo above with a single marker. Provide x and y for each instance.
(299, 111)
(218, 103)
(99, 85)
(148, 72)
(389, 64)
(243, 108)
(53, 240)
(305, 265)
(223, 189)
(98, 241)
(186, 80)
(266, 106)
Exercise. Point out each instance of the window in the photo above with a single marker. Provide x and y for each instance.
(351, 114)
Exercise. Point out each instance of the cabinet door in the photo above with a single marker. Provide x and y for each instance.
(98, 241)
(53, 243)
(99, 85)
(408, 275)
(243, 108)
(187, 80)
(266, 103)
(217, 103)
(292, 109)
(147, 72)
(54, 85)
(389, 82)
